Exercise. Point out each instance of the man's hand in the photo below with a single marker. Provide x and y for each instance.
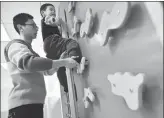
(66, 62)
(71, 63)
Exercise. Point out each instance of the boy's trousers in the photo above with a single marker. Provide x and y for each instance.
(54, 46)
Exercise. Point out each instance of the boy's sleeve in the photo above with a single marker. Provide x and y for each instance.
(24, 59)
(48, 30)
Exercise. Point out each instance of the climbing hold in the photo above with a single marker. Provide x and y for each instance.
(71, 6)
(76, 27)
(128, 86)
(86, 26)
(88, 96)
(84, 62)
(113, 20)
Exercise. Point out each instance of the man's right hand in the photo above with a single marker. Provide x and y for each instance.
(66, 62)
(71, 63)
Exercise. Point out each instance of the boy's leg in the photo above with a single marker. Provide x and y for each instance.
(27, 111)
(73, 49)
(61, 74)
(54, 47)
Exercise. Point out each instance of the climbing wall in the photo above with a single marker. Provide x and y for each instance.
(136, 48)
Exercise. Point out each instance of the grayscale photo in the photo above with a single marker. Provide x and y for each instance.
(81, 59)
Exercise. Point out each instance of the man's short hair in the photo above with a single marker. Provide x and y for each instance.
(44, 7)
(21, 19)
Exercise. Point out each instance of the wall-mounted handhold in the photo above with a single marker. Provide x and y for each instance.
(76, 26)
(114, 19)
(71, 6)
(88, 97)
(128, 86)
(83, 64)
(87, 24)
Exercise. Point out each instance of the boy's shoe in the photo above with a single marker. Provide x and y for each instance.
(81, 67)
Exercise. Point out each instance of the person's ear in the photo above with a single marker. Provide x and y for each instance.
(42, 13)
(20, 28)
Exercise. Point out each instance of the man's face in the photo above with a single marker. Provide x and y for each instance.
(30, 29)
(50, 10)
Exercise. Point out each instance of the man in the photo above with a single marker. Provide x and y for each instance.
(26, 68)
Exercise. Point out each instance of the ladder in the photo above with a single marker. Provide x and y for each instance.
(69, 100)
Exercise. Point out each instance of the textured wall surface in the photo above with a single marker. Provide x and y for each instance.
(135, 48)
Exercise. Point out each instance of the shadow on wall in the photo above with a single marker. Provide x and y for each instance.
(153, 94)
(134, 22)
(152, 99)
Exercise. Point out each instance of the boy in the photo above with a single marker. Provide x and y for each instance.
(26, 99)
(55, 45)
